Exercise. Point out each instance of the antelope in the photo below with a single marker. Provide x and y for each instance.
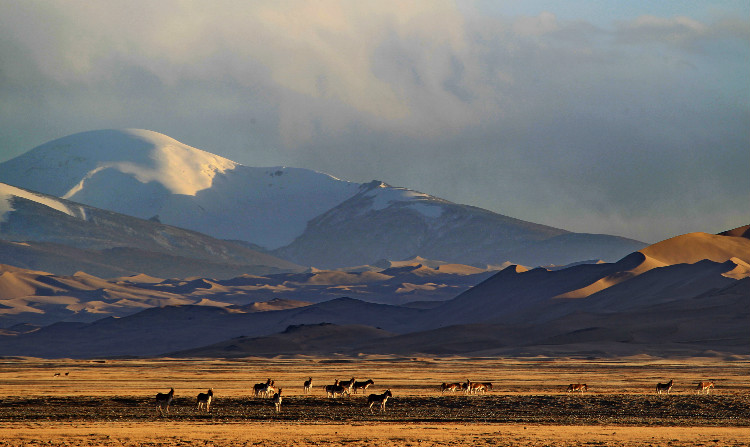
(333, 390)
(277, 400)
(204, 400)
(705, 386)
(348, 384)
(163, 400)
(577, 387)
(260, 388)
(481, 387)
(307, 386)
(362, 385)
(664, 387)
(476, 387)
(270, 389)
(379, 399)
(452, 387)
(57, 375)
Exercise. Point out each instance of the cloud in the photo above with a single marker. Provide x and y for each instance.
(553, 120)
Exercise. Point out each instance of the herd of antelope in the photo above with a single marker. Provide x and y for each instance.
(268, 389)
(343, 388)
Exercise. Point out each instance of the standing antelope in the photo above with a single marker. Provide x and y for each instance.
(577, 387)
(259, 388)
(480, 387)
(705, 386)
(664, 387)
(333, 390)
(277, 400)
(348, 384)
(452, 387)
(204, 400)
(307, 386)
(163, 400)
(379, 399)
(362, 385)
(270, 389)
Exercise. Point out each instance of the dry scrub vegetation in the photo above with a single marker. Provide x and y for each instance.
(111, 402)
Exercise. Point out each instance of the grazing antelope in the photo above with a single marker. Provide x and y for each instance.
(362, 385)
(163, 400)
(664, 387)
(57, 374)
(308, 386)
(452, 387)
(705, 386)
(333, 390)
(379, 399)
(204, 400)
(349, 384)
(277, 400)
(577, 387)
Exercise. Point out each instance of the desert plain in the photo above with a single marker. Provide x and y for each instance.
(111, 402)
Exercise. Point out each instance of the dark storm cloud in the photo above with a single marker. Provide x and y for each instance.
(639, 128)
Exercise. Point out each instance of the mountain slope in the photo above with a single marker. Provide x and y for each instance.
(385, 222)
(306, 216)
(104, 242)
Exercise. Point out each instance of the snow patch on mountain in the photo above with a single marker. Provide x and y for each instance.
(8, 192)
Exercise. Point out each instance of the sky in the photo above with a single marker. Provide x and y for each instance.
(627, 118)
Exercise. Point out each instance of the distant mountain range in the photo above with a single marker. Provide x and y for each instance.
(688, 295)
(305, 217)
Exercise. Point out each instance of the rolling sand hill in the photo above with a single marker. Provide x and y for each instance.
(686, 296)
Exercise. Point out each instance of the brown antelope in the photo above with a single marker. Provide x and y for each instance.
(204, 400)
(477, 387)
(307, 387)
(664, 387)
(336, 389)
(362, 385)
(277, 400)
(348, 384)
(163, 400)
(260, 388)
(379, 399)
(452, 387)
(705, 386)
(577, 387)
(481, 387)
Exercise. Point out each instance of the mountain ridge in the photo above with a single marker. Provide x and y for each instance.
(306, 216)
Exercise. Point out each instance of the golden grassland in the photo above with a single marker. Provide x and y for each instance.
(110, 402)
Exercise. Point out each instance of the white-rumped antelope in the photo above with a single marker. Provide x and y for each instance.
(362, 385)
(204, 400)
(277, 401)
(452, 387)
(577, 387)
(664, 387)
(348, 384)
(163, 400)
(379, 399)
(705, 386)
(259, 388)
(307, 387)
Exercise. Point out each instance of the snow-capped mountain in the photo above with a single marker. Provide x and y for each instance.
(305, 216)
(145, 174)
